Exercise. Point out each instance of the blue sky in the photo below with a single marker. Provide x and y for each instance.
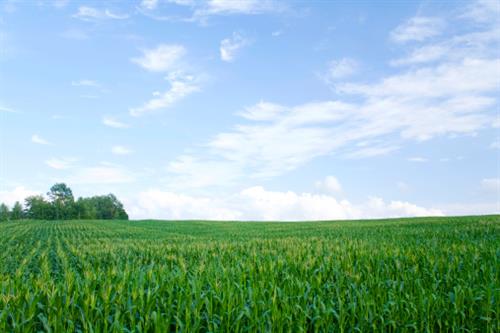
(254, 109)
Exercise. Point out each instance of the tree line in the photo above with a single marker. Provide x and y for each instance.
(61, 205)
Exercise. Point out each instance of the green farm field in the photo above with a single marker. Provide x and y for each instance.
(399, 275)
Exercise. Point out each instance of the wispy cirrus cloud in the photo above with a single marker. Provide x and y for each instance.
(86, 13)
(418, 28)
(230, 47)
(201, 11)
(428, 99)
(230, 7)
(113, 122)
(166, 58)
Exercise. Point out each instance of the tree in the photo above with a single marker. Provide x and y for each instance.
(62, 206)
(4, 213)
(62, 200)
(103, 207)
(38, 208)
(17, 211)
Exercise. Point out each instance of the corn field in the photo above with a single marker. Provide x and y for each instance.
(403, 275)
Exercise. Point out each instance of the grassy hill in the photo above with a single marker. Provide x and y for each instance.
(421, 274)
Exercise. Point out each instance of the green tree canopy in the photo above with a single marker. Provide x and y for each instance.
(4, 212)
(17, 211)
(61, 205)
(62, 200)
(38, 208)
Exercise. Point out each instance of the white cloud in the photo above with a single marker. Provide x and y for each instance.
(229, 47)
(160, 204)
(330, 185)
(112, 122)
(491, 185)
(340, 68)
(166, 58)
(228, 7)
(61, 163)
(85, 83)
(257, 203)
(263, 111)
(177, 91)
(378, 208)
(418, 29)
(149, 4)
(163, 58)
(18, 193)
(270, 205)
(121, 150)
(433, 98)
(422, 55)
(89, 13)
(417, 159)
(35, 138)
(482, 11)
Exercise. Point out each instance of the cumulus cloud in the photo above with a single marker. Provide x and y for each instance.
(160, 204)
(35, 138)
(18, 193)
(378, 208)
(418, 28)
(257, 203)
(230, 47)
(330, 184)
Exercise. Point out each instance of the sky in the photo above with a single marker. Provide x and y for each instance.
(254, 110)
